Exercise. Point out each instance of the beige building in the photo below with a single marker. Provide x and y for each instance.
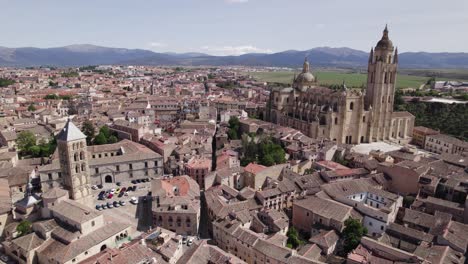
(346, 115)
(442, 143)
(176, 204)
(420, 133)
(69, 233)
(111, 163)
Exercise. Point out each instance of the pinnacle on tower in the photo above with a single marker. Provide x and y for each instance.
(371, 55)
(395, 57)
(306, 67)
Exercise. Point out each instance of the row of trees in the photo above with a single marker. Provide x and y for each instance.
(27, 145)
(448, 118)
(57, 97)
(6, 82)
(105, 135)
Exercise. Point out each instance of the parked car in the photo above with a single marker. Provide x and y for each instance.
(122, 203)
(116, 204)
(121, 194)
(104, 206)
(126, 194)
(98, 207)
(4, 258)
(134, 200)
(94, 187)
(134, 181)
(101, 193)
(117, 191)
(123, 189)
(112, 191)
(134, 188)
(110, 196)
(138, 181)
(109, 205)
(189, 241)
(118, 183)
(184, 240)
(100, 186)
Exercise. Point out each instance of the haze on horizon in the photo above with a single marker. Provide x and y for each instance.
(234, 27)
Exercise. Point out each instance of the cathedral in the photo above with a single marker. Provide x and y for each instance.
(350, 116)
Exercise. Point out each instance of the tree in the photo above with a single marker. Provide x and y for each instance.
(112, 139)
(31, 108)
(293, 238)
(234, 125)
(100, 139)
(51, 97)
(89, 130)
(24, 228)
(6, 82)
(352, 234)
(105, 131)
(25, 140)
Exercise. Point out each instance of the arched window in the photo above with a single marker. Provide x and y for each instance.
(351, 106)
(75, 156)
(363, 119)
(77, 168)
(336, 120)
(82, 155)
(83, 167)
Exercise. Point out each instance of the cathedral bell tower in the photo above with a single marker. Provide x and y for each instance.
(72, 150)
(381, 77)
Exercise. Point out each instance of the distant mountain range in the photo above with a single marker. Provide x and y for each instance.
(79, 55)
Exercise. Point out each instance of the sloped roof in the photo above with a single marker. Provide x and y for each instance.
(70, 132)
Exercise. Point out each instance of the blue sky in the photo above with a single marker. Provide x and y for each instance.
(224, 27)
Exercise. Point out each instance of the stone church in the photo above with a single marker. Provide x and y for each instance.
(345, 115)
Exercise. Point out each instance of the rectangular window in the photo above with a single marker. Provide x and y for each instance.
(50, 176)
(146, 164)
(96, 170)
(130, 166)
(117, 168)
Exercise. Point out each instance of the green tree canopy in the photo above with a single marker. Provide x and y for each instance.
(89, 130)
(31, 108)
(100, 139)
(24, 228)
(352, 234)
(6, 82)
(234, 128)
(25, 140)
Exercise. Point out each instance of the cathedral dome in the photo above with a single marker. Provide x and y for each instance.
(305, 77)
(385, 43)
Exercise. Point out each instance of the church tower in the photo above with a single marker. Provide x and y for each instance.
(72, 150)
(381, 76)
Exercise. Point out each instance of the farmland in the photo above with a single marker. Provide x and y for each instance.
(329, 78)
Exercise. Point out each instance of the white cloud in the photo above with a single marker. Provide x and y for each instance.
(236, 1)
(234, 50)
(157, 44)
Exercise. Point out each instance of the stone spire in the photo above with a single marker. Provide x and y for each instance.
(371, 55)
(306, 66)
(395, 57)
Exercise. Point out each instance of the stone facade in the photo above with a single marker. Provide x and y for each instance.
(74, 164)
(118, 162)
(346, 115)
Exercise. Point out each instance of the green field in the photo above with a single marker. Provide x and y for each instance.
(328, 78)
